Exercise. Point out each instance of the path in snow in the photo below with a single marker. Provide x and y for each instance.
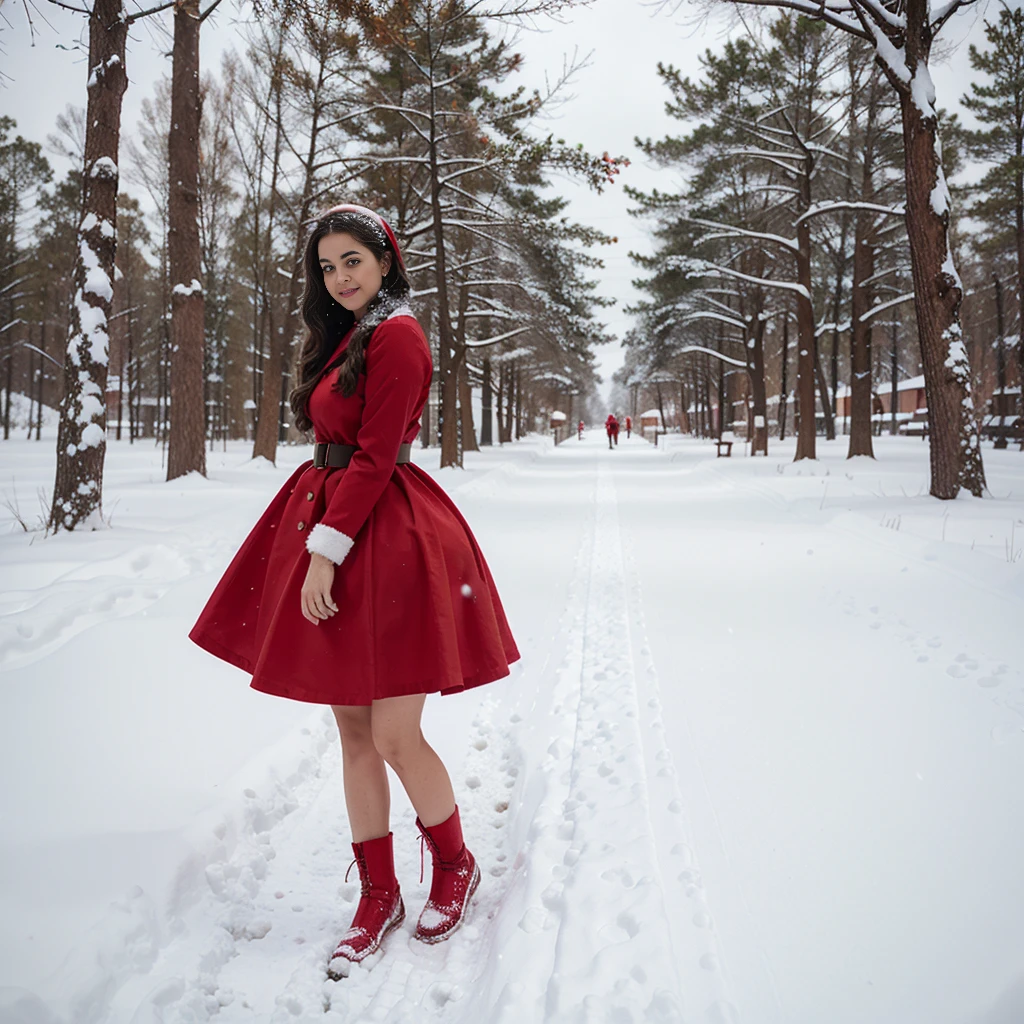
(576, 920)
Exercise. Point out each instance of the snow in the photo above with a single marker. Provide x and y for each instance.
(432, 917)
(948, 267)
(195, 288)
(93, 436)
(22, 407)
(922, 92)
(894, 57)
(100, 69)
(957, 360)
(760, 761)
(104, 167)
(96, 280)
(91, 221)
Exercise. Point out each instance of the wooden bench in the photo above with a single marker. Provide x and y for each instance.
(727, 445)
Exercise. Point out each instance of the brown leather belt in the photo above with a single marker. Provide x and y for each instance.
(338, 456)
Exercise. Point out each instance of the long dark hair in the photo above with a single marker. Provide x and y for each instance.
(328, 321)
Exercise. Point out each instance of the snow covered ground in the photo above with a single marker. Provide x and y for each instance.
(761, 760)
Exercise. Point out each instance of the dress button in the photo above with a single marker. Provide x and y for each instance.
(309, 496)
(302, 525)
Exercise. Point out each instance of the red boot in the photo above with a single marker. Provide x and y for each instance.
(380, 905)
(454, 880)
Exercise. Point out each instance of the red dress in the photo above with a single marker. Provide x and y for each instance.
(418, 611)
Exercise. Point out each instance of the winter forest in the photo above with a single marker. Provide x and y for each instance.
(759, 761)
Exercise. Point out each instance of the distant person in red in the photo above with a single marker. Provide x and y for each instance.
(611, 426)
(629, 427)
(580, 429)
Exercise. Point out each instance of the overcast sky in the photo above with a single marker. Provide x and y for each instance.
(614, 99)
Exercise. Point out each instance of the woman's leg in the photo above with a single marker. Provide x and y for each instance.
(366, 780)
(395, 726)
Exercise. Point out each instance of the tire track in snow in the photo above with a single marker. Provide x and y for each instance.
(703, 966)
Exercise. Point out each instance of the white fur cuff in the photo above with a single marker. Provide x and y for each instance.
(325, 540)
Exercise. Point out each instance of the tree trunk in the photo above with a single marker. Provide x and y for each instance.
(42, 367)
(132, 404)
(1018, 188)
(806, 438)
(510, 401)
(955, 450)
(784, 395)
(823, 396)
(894, 395)
(268, 399)
(466, 410)
(684, 419)
(451, 452)
(499, 409)
(186, 450)
(8, 376)
(81, 436)
(860, 337)
(520, 417)
(1000, 360)
(755, 370)
(661, 412)
(485, 403)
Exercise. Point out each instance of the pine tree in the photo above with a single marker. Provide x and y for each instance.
(903, 33)
(440, 73)
(23, 169)
(81, 436)
(1000, 105)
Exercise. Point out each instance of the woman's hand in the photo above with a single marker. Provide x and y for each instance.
(317, 602)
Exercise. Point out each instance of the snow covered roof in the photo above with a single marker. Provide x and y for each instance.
(650, 412)
(556, 415)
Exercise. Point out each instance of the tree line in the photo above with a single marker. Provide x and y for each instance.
(191, 304)
(816, 237)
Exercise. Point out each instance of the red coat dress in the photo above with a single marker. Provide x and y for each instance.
(418, 611)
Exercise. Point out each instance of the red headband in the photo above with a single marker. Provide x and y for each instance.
(377, 218)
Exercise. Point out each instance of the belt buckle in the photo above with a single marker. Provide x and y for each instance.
(320, 455)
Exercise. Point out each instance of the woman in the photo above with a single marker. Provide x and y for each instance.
(361, 586)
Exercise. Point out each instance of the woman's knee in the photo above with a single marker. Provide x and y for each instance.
(398, 746)
(354, 728)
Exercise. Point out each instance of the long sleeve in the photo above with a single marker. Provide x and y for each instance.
(398, 371)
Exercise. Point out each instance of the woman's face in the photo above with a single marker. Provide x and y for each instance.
(352, 274)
